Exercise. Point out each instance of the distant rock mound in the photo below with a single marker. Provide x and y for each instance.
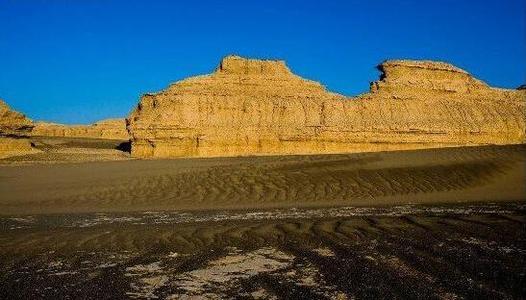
(14, 129)
(259, 107)
(105, 129)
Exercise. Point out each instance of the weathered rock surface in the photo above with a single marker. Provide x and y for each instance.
(105, 129)
(13, 123)
(257, 107)
(14, 129)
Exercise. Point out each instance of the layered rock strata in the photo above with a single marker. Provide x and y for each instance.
(259, 107)
(105, 129)
(14, 129)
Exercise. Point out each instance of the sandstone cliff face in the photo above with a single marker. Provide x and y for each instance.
(13, 123)
(14, 128)
(252, 107)
(105, 129)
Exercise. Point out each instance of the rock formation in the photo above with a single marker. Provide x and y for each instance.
(257, 107)
(105, 129)
(14, 129)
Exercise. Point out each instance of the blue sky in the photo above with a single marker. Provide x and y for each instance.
(84, 60)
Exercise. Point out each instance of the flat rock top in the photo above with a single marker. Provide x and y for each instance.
(233, 64)
(422, 64)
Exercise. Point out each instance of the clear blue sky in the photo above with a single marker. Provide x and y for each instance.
(83, 60)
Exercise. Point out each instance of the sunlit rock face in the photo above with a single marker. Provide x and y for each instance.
(104, 129)
(13, 123)
(259, 107)
(14, 128)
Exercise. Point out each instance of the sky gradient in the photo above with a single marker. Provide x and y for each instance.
(80, 61)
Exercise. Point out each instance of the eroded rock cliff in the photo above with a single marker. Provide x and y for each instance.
(252, 107)
(14, 129)
(105, 129)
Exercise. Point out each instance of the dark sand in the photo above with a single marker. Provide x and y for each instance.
(405, 252)
(492, 173)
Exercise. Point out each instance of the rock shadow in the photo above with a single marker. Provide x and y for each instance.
(124, 147)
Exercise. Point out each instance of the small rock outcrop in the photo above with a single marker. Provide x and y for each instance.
(14, 129)
(259, 107)
(105, 129)
(13, 123)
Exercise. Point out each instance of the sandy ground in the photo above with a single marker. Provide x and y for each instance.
(403, 252)
(55, 150)
(82, 220)
(33, 185)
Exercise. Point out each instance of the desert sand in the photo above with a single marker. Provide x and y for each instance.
(468, 174)
(56, 150)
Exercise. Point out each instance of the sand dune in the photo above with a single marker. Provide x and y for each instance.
(492, 173)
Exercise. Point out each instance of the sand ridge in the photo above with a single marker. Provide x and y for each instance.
(492, 173)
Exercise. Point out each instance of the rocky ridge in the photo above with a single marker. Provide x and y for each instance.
(258, 107)
(104, 129)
